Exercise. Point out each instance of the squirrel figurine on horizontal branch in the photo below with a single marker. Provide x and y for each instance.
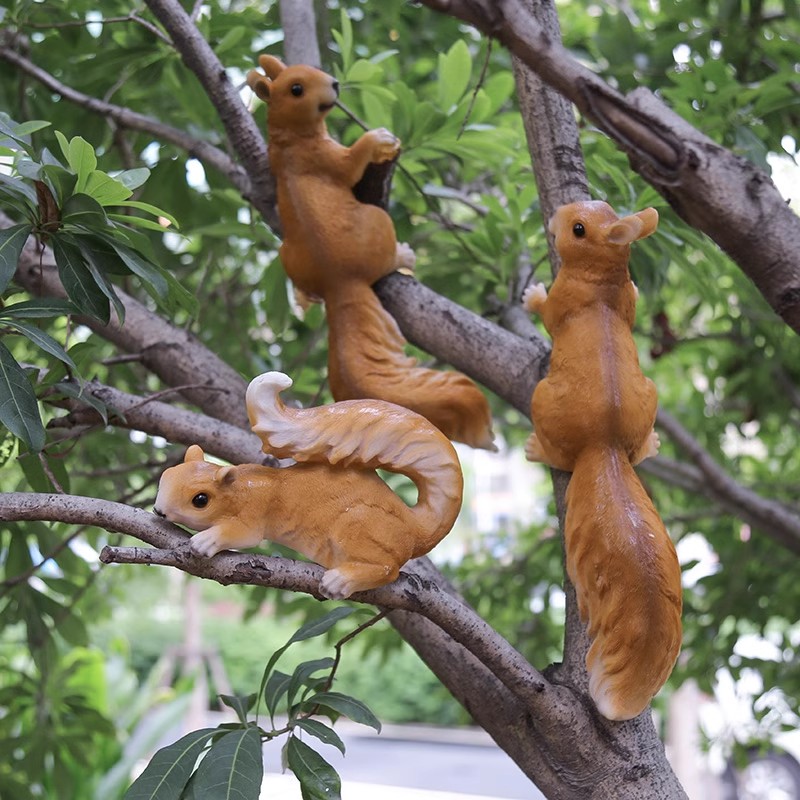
(331, 506)
(335, 247)
(593, 415)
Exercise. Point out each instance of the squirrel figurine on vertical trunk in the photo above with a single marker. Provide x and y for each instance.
(593, 415)
(335, 247)
(331, 506)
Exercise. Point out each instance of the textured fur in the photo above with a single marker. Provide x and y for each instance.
(332, 506)
(593, 415)
(335, 248)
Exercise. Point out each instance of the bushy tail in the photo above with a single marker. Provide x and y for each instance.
(367, 359)
(368, 434)
(628, 583)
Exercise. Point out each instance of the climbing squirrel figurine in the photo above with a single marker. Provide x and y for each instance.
(331, 506)
(593, 415)
(335, 247)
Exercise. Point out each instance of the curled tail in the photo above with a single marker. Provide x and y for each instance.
(628, 583)
(365, 434)
(367, 359)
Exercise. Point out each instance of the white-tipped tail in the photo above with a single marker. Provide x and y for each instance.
(368, 434)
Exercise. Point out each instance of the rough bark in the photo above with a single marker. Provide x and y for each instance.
(715, 191)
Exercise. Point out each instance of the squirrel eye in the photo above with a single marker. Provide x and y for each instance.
(578, 229)
(200, 500)
(297, 89)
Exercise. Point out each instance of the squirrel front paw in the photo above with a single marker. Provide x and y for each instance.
(405, 259)
(385, 145)
(533, 297)
(207, 543)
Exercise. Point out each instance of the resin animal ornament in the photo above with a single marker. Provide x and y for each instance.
(331, 506)
(335, 247)
(593, 415)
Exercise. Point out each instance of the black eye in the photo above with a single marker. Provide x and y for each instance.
(297, 89)
(200, 500)
(578, 229)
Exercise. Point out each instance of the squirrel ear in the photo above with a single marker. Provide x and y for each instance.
(632, 228)
(259, 84)
(271, 65)
(194, 453)
(225, 475)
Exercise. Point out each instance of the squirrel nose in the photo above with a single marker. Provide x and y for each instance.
(335, 86)
(159, 513)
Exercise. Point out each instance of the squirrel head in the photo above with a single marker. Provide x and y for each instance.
(195, 493)
(589, 232)
(299, 97)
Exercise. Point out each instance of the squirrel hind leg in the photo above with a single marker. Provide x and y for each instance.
(347, 579)
(650, 448)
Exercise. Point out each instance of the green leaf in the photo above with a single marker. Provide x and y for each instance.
(12, 240)
(455, 69)
(151, 209)
(348, 706)
(39, 308)
(170, 768)
(321, 731)
(151, 276)
(277, 686)
(133, 178)
(82, 160)
(81, 209)
(105, 190)
(232, 768)
(231, 39)
(305, 670)
(43, 340)
(78, 281)
(19, 411)
(321, 625)
(317, 777)
(31, 126)
(240, 704)
(71, 389)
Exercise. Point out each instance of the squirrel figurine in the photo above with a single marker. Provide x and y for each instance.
(331, 506)
(335, 247)
(593, 415)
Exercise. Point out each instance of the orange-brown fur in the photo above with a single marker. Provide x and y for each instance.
(335, 248)
(332, 507)
(593, 415)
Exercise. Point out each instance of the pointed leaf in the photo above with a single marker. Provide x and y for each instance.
(12, 240)
(241, 705)
(348, 706)
(107, 191)
(321, 731)
(19, 411)
(151, 209)
(170, 768)
(276, 688)
(78, 281)
(318, 778)
(233, 768)
(43, 340)
(316, 627)
(39, 308)
(80, 209)
(82, 160)
(455, 68)
(303, 671)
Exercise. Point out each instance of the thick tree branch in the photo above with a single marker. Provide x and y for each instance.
(240, 127)
(712, 189)
(157, 418)
(409, 593)
(297, 19)
(124, 117)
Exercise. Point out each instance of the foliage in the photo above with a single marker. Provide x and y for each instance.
(231, 754)
(94, 191)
